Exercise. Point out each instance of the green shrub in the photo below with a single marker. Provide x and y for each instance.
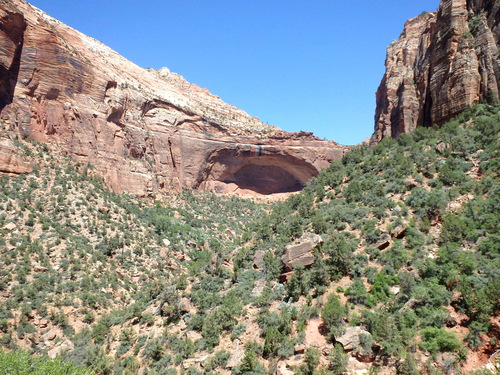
(250, 361)
(439, 340)
(148, 319)
(311, 361)
(454, 229)
(219, 360)
(333, 314)
(408, 366)
(338, 360)
(357, 292)
(20, 363)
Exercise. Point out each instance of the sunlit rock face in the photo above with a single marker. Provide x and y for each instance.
(145, 130)
(442, 62)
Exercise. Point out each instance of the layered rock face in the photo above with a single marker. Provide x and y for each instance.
(11, 161)
(144, 130)
(442, 62)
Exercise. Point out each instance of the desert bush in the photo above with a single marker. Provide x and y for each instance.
(21, 363)
(333, 315)
(439, 340)
(338, 360)
(357, 292)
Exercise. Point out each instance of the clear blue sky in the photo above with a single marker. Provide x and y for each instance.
(300, 65)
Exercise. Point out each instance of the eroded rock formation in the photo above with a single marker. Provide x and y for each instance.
(144, 130)
(442, 62)
(11, 158)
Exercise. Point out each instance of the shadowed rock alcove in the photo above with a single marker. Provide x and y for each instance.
(261, 169)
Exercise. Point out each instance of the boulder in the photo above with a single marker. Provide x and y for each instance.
(40, 322)
(10, 226)
(398, 232)
(301, 253)
(235, 359)
(258, 288)
(49, 336)
(383, 242)
(39, 268)
(395, 289)
(63, 346)
(185, 305)
(350, 340)
(299, 348)
(440, 147)
(34, 338)
(258, 259)
(283, 369)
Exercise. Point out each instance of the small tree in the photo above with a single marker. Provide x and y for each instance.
(338, 360)
(333, 314)
(408, 366)
(311, 361)
(250, 362)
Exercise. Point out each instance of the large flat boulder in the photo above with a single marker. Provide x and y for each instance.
(301, 253)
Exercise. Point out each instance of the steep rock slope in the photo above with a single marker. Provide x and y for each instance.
(442, 62)
(145, 130)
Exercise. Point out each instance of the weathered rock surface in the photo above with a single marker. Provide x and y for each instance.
(351, 340)
(11, 159)
(235, 359)
(282, 369)
(49, 336)
(301, 253)
(10, 226)
(60, 348)
(185, 305)
(145, 130)
(258, 259)
(383, 242)
(442, 62)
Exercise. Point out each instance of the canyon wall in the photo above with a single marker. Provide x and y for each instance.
(144, 130)
(442, 62)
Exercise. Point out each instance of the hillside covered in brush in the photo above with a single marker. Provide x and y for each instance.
(410, 249)
(398, 270)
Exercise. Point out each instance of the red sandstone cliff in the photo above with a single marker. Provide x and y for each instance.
(442, 62)
(145, 130)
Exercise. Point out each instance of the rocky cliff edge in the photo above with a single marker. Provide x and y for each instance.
(442, 62)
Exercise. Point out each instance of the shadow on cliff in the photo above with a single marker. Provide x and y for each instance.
(12, 25)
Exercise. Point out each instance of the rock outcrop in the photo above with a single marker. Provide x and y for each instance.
(11, 158)
(442, 62)
(144, 130)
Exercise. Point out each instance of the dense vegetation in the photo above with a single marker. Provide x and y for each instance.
(21, 363)
(410, 254)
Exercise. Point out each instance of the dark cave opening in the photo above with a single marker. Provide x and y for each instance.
(265, 179)
(264, 170)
